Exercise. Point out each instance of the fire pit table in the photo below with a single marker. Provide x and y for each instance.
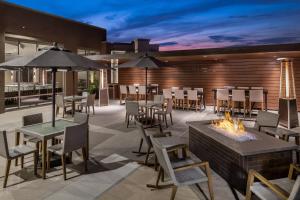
(232, 157)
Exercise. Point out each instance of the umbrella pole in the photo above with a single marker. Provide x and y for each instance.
(146, 84)
(19, 88)
(54, 70)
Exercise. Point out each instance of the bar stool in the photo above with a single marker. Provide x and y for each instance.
(142, 92)
(179, 99)
(192, 98)
(222, 97)
(123, 91)
(132, 91)
(238, 96)
(201, 96)
(256, 96)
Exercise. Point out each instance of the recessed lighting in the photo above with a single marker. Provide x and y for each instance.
(23, 27)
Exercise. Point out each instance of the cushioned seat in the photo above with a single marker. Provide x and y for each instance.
(31, 139)
(58, 149)
(20, 150)
(264, 193)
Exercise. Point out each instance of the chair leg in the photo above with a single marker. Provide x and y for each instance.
(84, 158)
(209, 182)
(165, 117)
(141, 144)
(63, 162)
(158, 176)
(128, 120)
(6, 173)
(171, 118)
(93, 109)
(250, 109)
(249, 183)
(174, 190)
(147, 156)
(35, 160)
(48, 160)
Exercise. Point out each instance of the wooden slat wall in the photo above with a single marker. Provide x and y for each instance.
(216, 74)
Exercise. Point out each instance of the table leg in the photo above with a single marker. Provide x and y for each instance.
(87, 145)
(73, 108)
(44, 154)
(215, 98)
(17, 142)
(266, 102)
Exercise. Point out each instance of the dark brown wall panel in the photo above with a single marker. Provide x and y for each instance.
(216, 74)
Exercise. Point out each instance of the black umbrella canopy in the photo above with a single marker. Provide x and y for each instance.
(146, 62)
(53, 58)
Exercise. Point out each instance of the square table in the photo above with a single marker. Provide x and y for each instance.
(44, 132)
(73, 99)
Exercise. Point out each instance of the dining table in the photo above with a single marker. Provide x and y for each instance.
(44, 131)
(73, 100)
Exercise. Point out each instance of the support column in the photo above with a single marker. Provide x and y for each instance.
(2, 73)
(68, 76)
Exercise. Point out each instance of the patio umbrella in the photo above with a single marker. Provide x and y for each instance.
(146, 62)
(53, 58)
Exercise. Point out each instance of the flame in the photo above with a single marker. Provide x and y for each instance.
(235, 127)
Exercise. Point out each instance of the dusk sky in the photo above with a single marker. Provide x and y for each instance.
(184, 24)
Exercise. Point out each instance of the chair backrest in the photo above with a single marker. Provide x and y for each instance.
(154, 84)
(163, 158)
(173, 89)
(59, 100)
(3, 145)
(75, 137)
(192, 95)
(142, 133)
(81, 118)
(265, 118)
(132, 89)
(90, 99)
(167, 93)
(142, 89)
(242, 88)
(32, 119)
(123, 89)
(229, 87)
(238, 95)
(295, 193)
(169, 106)
(158, 99)
(256, 96)
(132, 107)
(179, 94)
(199, 89)
(85, 94)
(186, 88)
(257, 88)
(223, 94)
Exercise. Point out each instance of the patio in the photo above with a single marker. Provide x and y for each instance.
(112, 172)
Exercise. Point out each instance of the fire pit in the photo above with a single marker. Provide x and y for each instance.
(232, 128)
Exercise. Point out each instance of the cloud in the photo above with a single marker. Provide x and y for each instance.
(223, 38)
(168, 44)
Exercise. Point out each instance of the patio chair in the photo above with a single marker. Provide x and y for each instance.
(164, 112)
(173, 89)
(201, 96)
(13, 153)
(90, 102)
(278, 189)
(133, 111)
(192, 99)
(123, 91)
(132, 91)
(223, 99)
(256, 96)
(154, 91)
(238, 96)
(266, 119)
(142, 92)
(179, 99)
(167, 93)
(146, 137)
(60, 103)
(27, 121)
(75, 138)
(183, 173)
(257, 88)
